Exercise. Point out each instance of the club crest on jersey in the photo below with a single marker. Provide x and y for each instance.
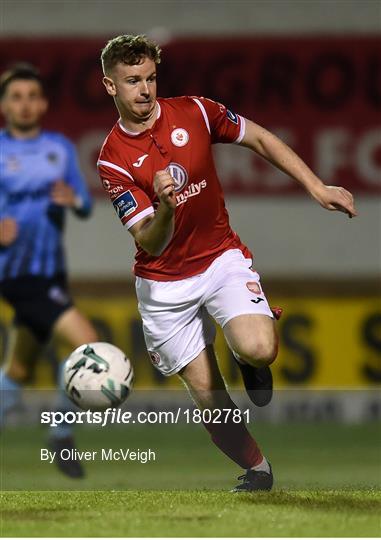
(232, 116)
(106, 184)
(125, 204)
(179, 174)
(179, 137)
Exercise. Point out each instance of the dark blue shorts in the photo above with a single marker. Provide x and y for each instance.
(37, 301)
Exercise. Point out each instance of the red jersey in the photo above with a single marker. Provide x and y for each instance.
(180, 141)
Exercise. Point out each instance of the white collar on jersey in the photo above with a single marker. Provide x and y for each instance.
(135, 133)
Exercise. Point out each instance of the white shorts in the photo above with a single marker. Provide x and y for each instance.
(176, 314)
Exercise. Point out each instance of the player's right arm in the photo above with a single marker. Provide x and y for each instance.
(155, 232)
(152, 229)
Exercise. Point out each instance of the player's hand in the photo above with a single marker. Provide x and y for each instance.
(335, 198)
(62, 194)
(8, 231)
(164, 186)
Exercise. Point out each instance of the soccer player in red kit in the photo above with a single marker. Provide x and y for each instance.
(157, 167)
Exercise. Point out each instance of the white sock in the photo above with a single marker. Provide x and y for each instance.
(262, 466)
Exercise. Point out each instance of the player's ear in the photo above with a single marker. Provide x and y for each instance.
(110, 85)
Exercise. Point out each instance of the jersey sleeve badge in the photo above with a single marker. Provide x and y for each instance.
(233, 117)
(125, 204)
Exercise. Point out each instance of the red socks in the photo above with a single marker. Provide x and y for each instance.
(236, 442)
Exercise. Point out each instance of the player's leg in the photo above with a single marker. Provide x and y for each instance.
(25, 339)
(75, 329)
(179, 335)
(207, 388)
(42, 307)
(236, 301)
(23, 349)
(47, 306)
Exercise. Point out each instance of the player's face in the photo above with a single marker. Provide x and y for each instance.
(23, 104)
(134, 89)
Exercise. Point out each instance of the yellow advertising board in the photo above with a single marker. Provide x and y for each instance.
(324, 343)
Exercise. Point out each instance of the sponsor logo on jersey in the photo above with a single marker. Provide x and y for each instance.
(155, 358)
(179, 137)
(139, 161)
(106, 184)
(254, 287)
(125, 204)
(179, 174)
(232, 116)
(191, 191)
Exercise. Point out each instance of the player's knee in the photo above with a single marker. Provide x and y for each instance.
(267, 355)
(261, 353)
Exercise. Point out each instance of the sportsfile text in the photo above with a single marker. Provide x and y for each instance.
(117, 416)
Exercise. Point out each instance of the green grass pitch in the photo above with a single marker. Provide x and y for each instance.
(328, 483)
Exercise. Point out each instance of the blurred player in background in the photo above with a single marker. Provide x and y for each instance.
(39, 180)
(157, 167)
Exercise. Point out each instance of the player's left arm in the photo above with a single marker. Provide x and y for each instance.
(267, 145)
(71, 191)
